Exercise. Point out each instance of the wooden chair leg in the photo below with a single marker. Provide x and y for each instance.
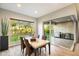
(26, 53)
(40, 51)
(22, 50)
(45, 49)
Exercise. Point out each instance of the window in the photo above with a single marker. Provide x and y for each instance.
(18, 28)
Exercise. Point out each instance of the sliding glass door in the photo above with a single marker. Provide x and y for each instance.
(61, 31)
(48, 30)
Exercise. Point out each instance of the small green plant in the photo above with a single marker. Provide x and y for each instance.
(4, 26)
(46, 31)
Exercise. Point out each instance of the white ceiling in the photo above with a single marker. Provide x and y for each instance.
(29, 8)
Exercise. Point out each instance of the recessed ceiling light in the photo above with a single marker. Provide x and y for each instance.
(18, 5)
(36, 12)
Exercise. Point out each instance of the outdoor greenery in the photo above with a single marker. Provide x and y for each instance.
(19, 28)
(22, 30)
(4, 26)
(46, 31)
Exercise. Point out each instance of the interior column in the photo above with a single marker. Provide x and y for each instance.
(75, 22)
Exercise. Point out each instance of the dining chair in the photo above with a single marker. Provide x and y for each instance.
(29, 49)
(44, 46)
(36, 36)
(44, 38)
(22, 45)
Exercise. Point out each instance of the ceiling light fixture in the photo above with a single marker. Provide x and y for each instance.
(18, 5)
(36, 12)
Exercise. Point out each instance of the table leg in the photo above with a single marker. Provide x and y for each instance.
(49, 48)
(35, 51)
(40, 51)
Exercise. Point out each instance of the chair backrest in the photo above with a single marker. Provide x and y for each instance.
(44, 37)
(26, 42)
(22, 43)
(29, 49)
(38, 36)
(33, 39)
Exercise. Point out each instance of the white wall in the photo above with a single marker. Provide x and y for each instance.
(10, 14)
(15, 15)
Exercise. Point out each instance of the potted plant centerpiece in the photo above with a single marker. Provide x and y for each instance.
(4, 36)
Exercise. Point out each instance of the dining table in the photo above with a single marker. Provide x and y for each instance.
(39, 43)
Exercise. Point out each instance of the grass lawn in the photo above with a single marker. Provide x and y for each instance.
(15, 39)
